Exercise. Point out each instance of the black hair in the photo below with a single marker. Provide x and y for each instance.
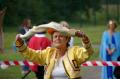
(118, 59)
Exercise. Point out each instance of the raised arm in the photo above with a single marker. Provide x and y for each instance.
(38, 57)
(82, 53)
(85, 40)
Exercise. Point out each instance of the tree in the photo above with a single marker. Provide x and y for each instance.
(39, 10)
(17, 10)
(60, 9)
(2, 13)
(67, 9)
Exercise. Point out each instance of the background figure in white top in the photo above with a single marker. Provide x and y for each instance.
(65, 24)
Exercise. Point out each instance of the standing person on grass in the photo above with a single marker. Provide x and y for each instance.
(24, 28)
(110, 49)
(61, 61)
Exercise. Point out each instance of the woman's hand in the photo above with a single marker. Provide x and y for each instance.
(82, 35)
(110, 52)
(78, 33)
(19, 41)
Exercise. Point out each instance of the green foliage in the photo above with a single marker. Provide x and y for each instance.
(58, 9)
(17, 10)
(39, 10)
(82, 11)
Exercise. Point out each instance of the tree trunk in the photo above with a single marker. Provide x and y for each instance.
(2, 13)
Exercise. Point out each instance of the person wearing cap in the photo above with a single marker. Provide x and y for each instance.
(61, 61)
(109, 49)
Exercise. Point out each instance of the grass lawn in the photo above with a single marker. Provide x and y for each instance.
(15, 72)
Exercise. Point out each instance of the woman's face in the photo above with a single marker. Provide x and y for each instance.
(59, 39)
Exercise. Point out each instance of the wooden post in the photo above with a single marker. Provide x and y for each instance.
(2, 13)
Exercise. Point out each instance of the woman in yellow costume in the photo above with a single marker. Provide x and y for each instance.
(62, 61)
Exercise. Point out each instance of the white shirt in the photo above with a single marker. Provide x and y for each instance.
(58, 71)
(40, 35)
(71, 42)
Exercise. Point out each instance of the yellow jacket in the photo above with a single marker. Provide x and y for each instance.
(74, 57)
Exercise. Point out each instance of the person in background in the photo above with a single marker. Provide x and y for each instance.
(61, 61)
(39, 42)
(65, 24)
(110, 49)
(24, 28)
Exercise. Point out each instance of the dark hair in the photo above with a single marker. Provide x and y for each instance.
(68, 41)
(118, 59)
(25, 22)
